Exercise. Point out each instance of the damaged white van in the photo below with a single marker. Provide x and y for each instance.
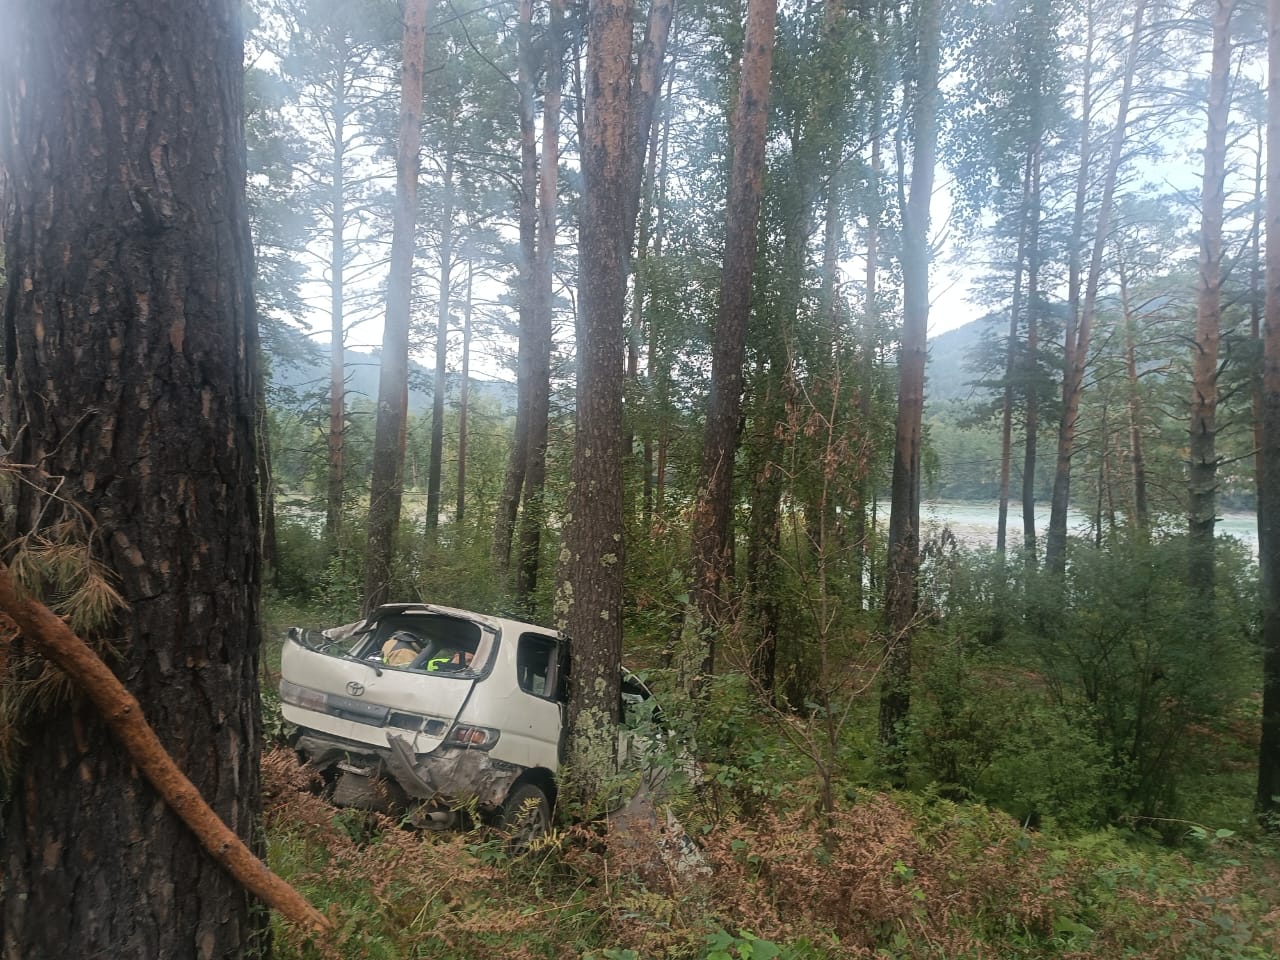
(423, 710)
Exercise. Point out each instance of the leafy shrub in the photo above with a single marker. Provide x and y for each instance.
(1124, 643)
(983, 729)
(300, 553)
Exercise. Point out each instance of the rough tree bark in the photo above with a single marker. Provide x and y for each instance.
(712, 543)
(53, 639)
(588, 602)
(386, 487)
(130, 355)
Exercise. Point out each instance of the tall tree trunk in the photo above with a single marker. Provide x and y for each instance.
(763, 531)
(1103, 479)
(712, 542)
(588, 605)
(1268, 799)
(1141, 510)
(1077, 355)
(1257, 294)
(1031, 398)
(642, 300)
(533, 516)
(440, 381)
(1012, 360)
(504, 527)
(387, 484)
(862, 531)
(337, 326)
(659, 361)
(645, 87)
(464, 398)
(131, 355)
(266, 489)
(1075, 274)
(1202, 472)
(904, 510)
(636, 325)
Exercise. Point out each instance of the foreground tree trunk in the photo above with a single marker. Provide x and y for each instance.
(1268, 800)
(904, 510)
(130, 367)
(386, 487)
(712, 542)
(588, 604)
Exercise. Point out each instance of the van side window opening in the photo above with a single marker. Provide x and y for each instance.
(535, 658)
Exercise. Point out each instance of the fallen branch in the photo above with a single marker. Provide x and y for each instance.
(56, 642)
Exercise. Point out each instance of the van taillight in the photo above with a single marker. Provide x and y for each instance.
(472, 737)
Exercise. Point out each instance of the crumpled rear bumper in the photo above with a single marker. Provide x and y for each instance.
(446, 777)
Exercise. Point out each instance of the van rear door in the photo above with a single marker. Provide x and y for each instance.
(346, 690)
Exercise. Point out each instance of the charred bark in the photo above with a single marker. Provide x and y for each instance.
(131, 349)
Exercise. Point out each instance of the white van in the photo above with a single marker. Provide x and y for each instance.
(423, 710)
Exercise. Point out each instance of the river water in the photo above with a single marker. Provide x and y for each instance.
(974, 523)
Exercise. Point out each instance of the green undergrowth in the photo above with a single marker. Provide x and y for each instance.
(901, 875)
(1020, 837)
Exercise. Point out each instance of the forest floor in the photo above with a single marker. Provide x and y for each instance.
(899, 875)
(906, 874)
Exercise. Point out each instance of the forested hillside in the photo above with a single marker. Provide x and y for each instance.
(612, 318)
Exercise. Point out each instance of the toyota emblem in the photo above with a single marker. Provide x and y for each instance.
(355, 689)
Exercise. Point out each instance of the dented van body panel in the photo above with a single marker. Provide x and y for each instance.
(479, 709)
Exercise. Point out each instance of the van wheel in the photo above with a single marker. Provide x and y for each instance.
(526, 816)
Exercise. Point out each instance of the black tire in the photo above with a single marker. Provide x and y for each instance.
(526, 816)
